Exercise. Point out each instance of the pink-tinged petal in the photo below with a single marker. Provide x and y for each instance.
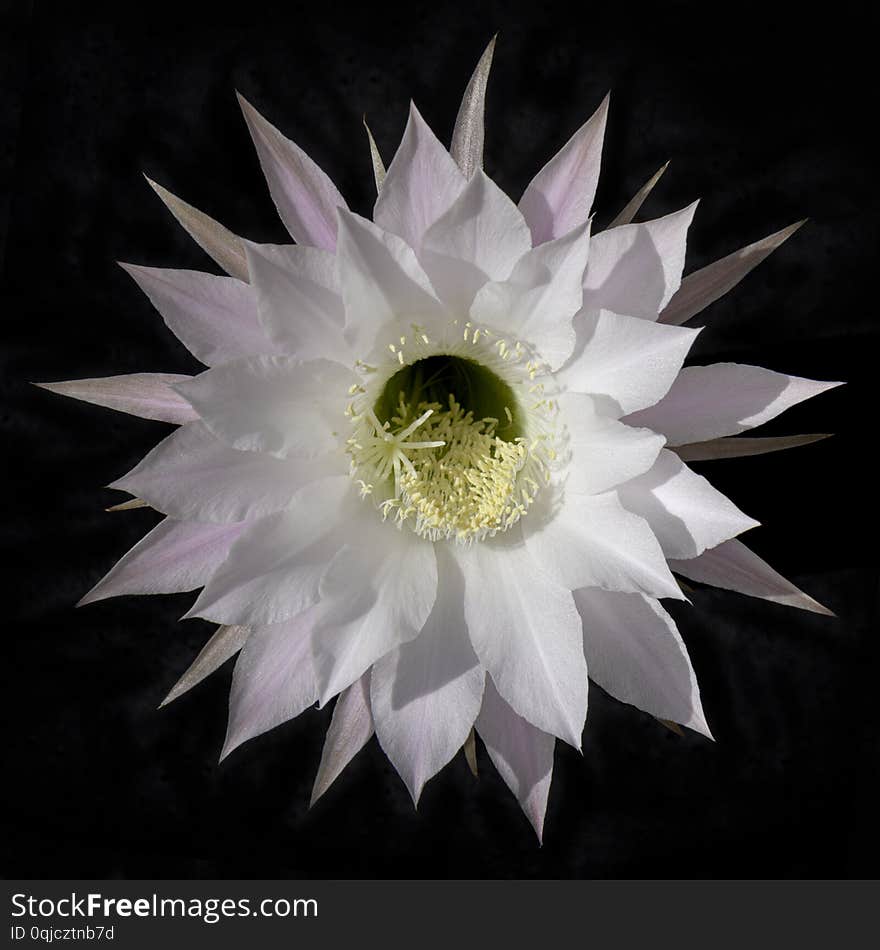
(468, 134)
(422, 182)
(219, 243)
(732, 566)
(274, 570)
(705, 286)
(305, 197)
(274, 404)
(225, 643)
(193, 476)
(175, 556)
(593, 541)
(480, 238)
(426, 694)
(635, 269)
(274, 680)
(376, 595)
(148, 395)
(707, 402)
(635, 652)
(527, 633)
(632, 362)
(684, 511)
(379, 171)
(560, 196)
(214, 317)
(522, 754)
(537, 302)
(631, 208)
(381, 282)
(298, 300)
(604, 452)
(350, 730)
(729, 447)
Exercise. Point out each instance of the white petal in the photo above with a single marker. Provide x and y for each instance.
(350, 729)
(480, 238)
(422, 182)
(298, 299)
(275, 568)
(706, 402)
(604, 452)
(732, 566)
(635, 269)
(705, 286)
(194, 476)
(175, 556)
(522, 754)
(274, 404)
(635, 652)
(305, 197)
(526, 631)
(631, 208)
(148, 395)
(560, 196)
(593, 541)
(274, 680)
(467, 136)
(214, 317)
(376, 594)
(631, 361)
(381, 282)
(537, 303)
(738, 447)
(225, 643)
(684, 511)
(219, 243)
(426, 694)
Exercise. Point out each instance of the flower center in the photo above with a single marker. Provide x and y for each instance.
(445, 447)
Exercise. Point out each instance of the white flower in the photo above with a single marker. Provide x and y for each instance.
(437, 464)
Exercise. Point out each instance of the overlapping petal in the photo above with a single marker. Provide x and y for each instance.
(593, 541)
(274, 680)
(537, 303)
(421, 183)
(377, 594)
(192, 475)
(479, 238)
(635, 269)
(522, 754)
(274, 404)
(707, 402)
(558, 199)
(214, 317)
(630, 361)
(526, 631)
(426, 694)
(298, 300)
(635, 652)
(732, 566)
(175, 556)
(684, 511)
(305, 197)
(604, 452)
(275, 568)
(148, 395)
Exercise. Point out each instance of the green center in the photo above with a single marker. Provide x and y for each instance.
(435, 378)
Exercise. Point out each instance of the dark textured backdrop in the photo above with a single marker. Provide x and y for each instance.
(762, 113)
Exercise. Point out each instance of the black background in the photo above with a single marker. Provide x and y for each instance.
(763, 111)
